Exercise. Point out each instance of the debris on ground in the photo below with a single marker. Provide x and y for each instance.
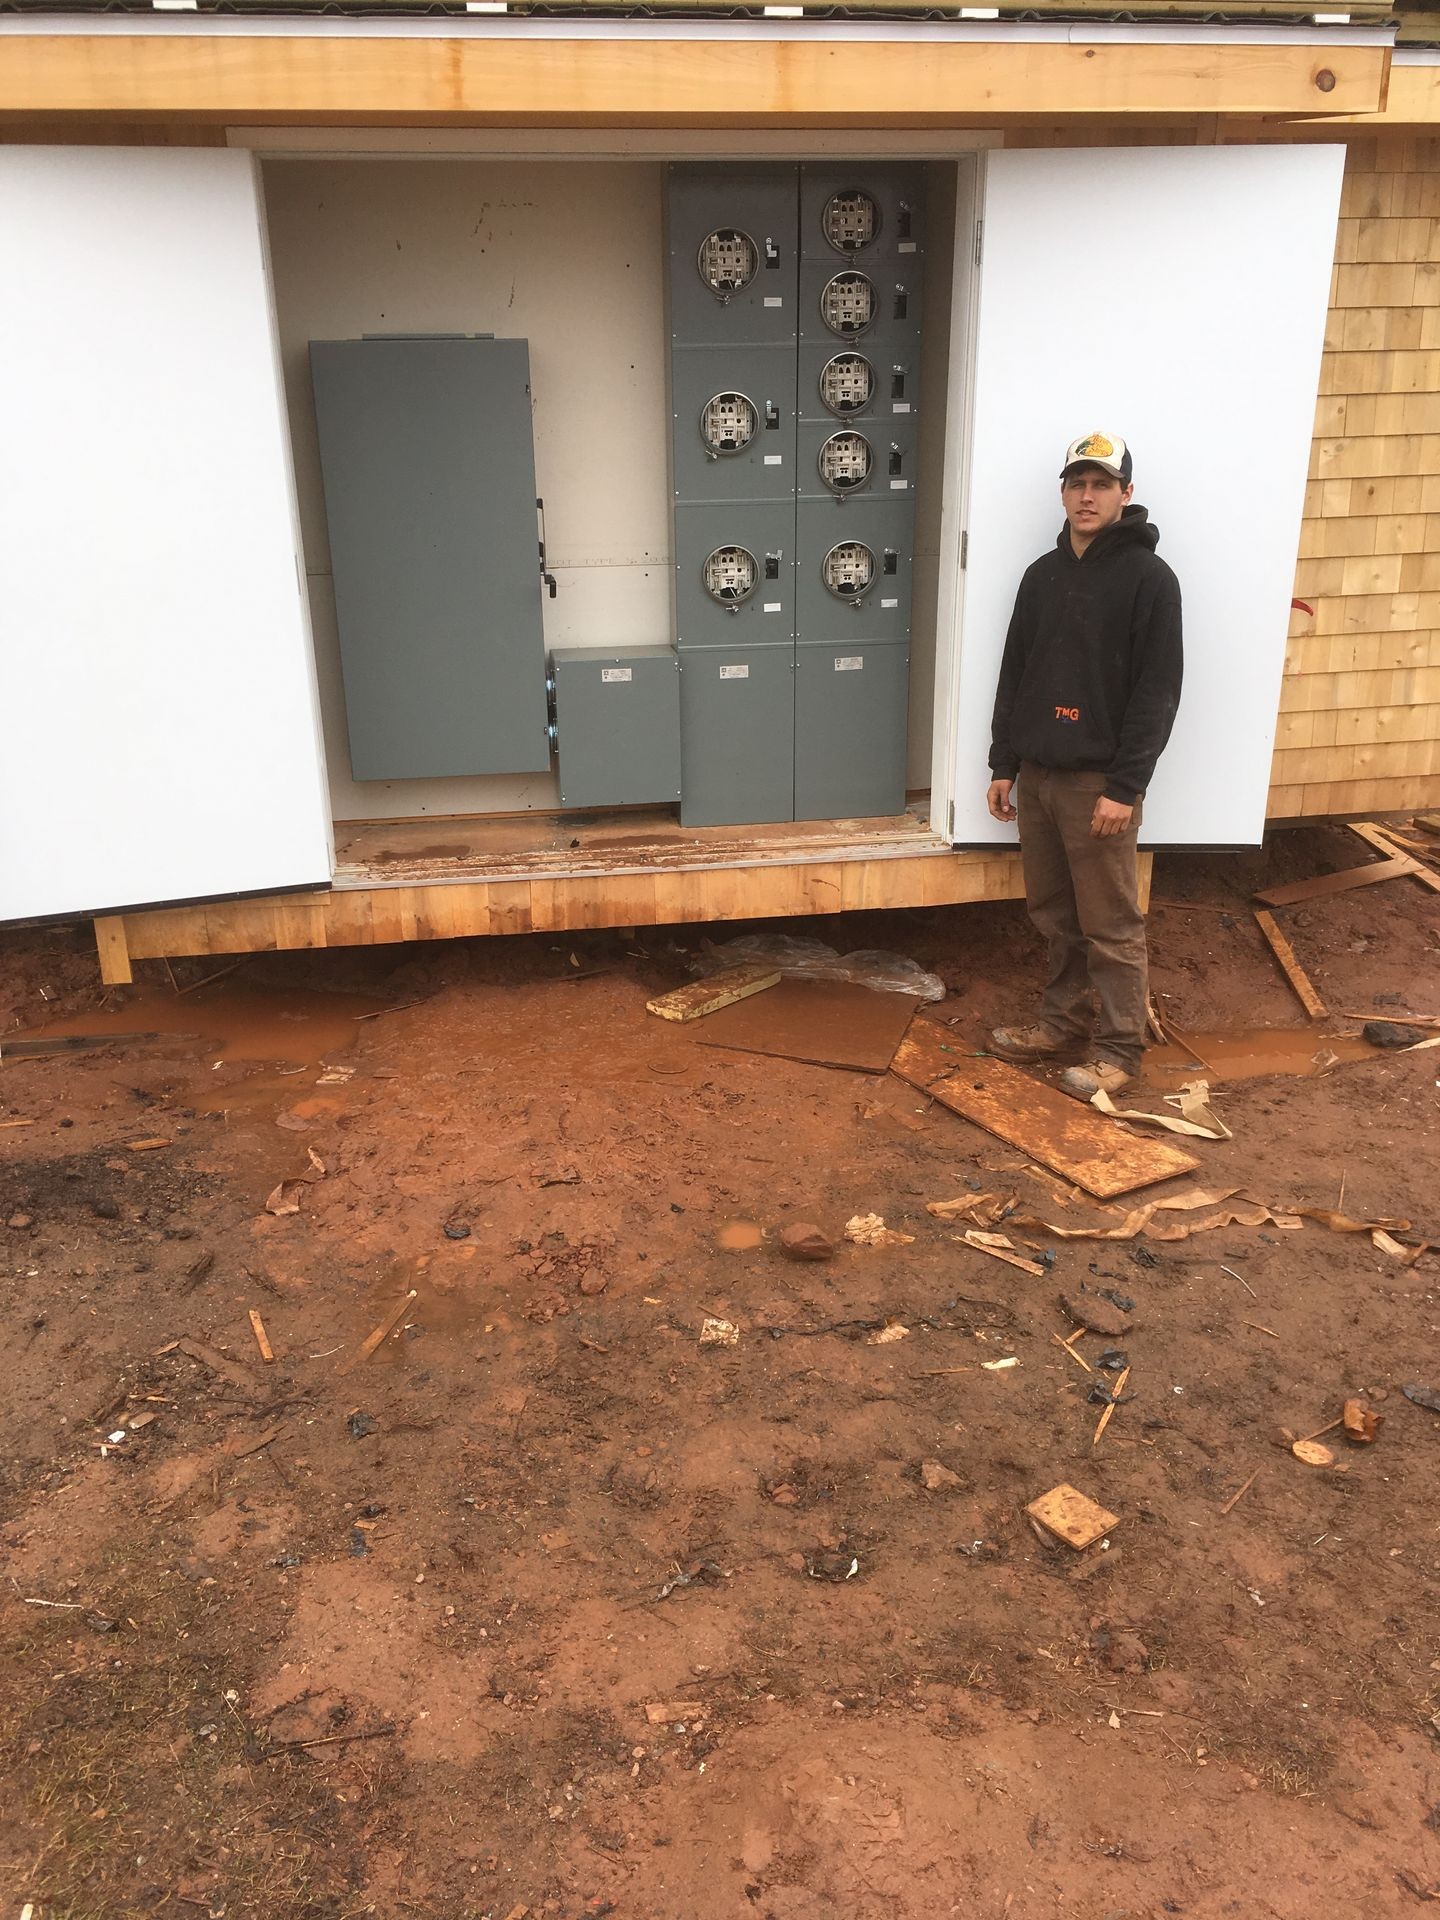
(381, 1333)
(886, 1336)
(936, 1478)
(661, 1713)
(1362, 1423)
(803, 1240)
(832, 1564)
(1423, 1397)
(999, 1248)
(1000, 1366)
(722, 989)
(1289, 965)
(1090, 1310)
(360, 1425)
(1313, 1453)
(1195, 1115)
(718, 1333)
(824, 1023)
(1119, 1650)
(1072, 1516)
(1391, 1033)
(814, 960)
(869, 1230)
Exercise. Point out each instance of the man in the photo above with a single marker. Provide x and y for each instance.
(1089, 685)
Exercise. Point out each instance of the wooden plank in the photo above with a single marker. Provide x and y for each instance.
(1325, 884)
(674, 82)
(113, 948)
(1065, 1135)
(1376, 837)
(699, 997)
(1291, 967)
(827, 1023)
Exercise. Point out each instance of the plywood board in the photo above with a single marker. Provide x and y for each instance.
(1072, 1516)
(1065, 1135)
(828, 1023)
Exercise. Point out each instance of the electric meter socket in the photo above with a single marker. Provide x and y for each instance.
(727, 423)
(847, 303)
(728, 260)
(851, 220)
(848, 570)
(846, 383)
(845, 461)
(729, 575)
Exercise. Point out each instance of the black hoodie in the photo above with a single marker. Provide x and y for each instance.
(1091, 673)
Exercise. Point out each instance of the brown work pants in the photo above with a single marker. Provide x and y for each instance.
(1083, 895)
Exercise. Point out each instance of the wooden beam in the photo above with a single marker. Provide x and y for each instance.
(1377, 837)
(114, 952)
(1324, 884)
(1291, 967)
(634, 80)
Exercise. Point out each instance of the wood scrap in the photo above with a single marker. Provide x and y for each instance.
(1289, 965)
(239, 1447)
(1403, 1019)
(1072, 1516)
(1106, 1416)
(381, 1333)
(1240, 1492)
(999, 1248)
(1325, 884)
(1065, 1135)
(1065, 1347)
(721, 989)
(1379, 838)
(262, 1339)
(1180, 1039)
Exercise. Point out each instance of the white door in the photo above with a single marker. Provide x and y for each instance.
(1177, 297)
(161, 738)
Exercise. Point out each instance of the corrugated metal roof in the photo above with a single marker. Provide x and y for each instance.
(1418, 23)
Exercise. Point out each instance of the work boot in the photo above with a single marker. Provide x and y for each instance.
(1087, 1080)
(1034, 1043)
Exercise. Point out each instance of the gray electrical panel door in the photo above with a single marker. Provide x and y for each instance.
(737, 735)
(730, 233)
(617, 726)
(861, 249)
(853, 569)
(429, 470)
(858, 381)
(734, 575)
(733, 423)
(854, 459)
(851, 717)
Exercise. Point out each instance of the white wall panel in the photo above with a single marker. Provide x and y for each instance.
(162, 737)
(1177, 297)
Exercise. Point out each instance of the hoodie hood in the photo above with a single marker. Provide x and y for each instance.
(1133, 528)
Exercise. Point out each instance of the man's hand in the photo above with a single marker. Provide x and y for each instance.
(997, 799)
(1110, 816)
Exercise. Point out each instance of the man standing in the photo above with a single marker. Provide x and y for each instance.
(1089, 685)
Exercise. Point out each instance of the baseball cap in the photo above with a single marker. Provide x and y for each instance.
(1101, 450)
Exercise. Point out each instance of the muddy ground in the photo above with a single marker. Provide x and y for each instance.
(542, 1582)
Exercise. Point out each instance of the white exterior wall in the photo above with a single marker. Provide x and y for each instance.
(569, 256)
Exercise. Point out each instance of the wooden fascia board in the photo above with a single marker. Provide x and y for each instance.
(615, 80)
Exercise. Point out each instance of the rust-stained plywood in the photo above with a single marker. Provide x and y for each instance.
(828, 1023)
(1065, 1135)
(1072, 1516)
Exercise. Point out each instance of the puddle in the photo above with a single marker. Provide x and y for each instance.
(738, 1236)
(1252, 1052)
(300, 1027)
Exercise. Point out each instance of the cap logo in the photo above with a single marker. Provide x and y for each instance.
(1096, 445)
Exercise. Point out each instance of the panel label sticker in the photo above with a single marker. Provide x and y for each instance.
(774, 606)
(774, 459)
(849, 662)
(901, 406)
(889, 603)
(898, 486)
(774, 300)
(734, 673)
(611, 676)
(906, 246)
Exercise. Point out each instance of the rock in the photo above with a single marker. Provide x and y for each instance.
(1088, 1310)
(805, 1241)
(592, 1283)
(457, 1230)
(785, 1496)
(935, 1478)
(1391, 1033)
(20, 1221)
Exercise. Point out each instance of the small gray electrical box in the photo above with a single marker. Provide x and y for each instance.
(617, 721)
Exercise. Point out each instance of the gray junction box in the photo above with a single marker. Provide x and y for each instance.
(617, 726)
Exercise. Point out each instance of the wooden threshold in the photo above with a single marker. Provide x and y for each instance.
(455, 878)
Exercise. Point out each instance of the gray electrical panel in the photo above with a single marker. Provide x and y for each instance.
(429, 471)
(851, 709)
(737, 735)
(617, 726)
(794, 319)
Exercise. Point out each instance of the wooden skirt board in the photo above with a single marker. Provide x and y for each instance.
(1064, 1134)
(827, 1023)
